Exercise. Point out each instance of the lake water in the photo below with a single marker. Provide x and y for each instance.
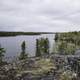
(12, 45)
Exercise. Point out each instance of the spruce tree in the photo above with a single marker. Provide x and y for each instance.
(23, 54)
(38, 54)
(2, 51)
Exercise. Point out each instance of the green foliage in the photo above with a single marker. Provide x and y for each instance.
(68, 75)
(45, 65)
(65, 48)
(42, 47)
(37, 48)
(23, 54)
(23, 46)
(46, 46)
(65, 76)
(56, 37)
(67, 43)
(2, 51)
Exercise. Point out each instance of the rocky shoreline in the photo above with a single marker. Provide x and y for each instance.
(47, 68)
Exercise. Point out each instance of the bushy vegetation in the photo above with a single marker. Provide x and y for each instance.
(2, 51)
(42, 47)
(67, 43)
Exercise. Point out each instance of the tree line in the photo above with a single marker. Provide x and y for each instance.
(7, 33)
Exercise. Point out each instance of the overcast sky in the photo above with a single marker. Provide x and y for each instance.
(40, 15)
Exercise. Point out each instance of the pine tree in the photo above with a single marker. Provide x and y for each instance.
(42, 46)
(23, 54)
(46, 46)
(56, 37)
(38, 54)
(2, 51)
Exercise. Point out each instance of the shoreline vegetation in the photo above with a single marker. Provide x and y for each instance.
(58, 65)
(67, 43)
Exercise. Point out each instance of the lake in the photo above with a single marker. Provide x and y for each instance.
(12, 44)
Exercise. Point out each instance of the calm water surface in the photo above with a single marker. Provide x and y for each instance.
(12, 45)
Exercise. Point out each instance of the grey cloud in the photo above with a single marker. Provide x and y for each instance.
(39, 15)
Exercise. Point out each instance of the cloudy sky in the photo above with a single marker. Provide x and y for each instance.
(40, 15)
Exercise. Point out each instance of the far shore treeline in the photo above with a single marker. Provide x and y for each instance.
(7, 33)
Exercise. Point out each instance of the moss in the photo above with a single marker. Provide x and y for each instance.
(43, 66)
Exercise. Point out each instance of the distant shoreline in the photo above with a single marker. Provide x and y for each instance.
(7, 34)
(16, 33)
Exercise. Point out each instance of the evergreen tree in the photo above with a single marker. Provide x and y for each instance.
(46, 46)
(56, 37)
(2, 51)
(23, 54)
(38, 54)
(42, 46)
